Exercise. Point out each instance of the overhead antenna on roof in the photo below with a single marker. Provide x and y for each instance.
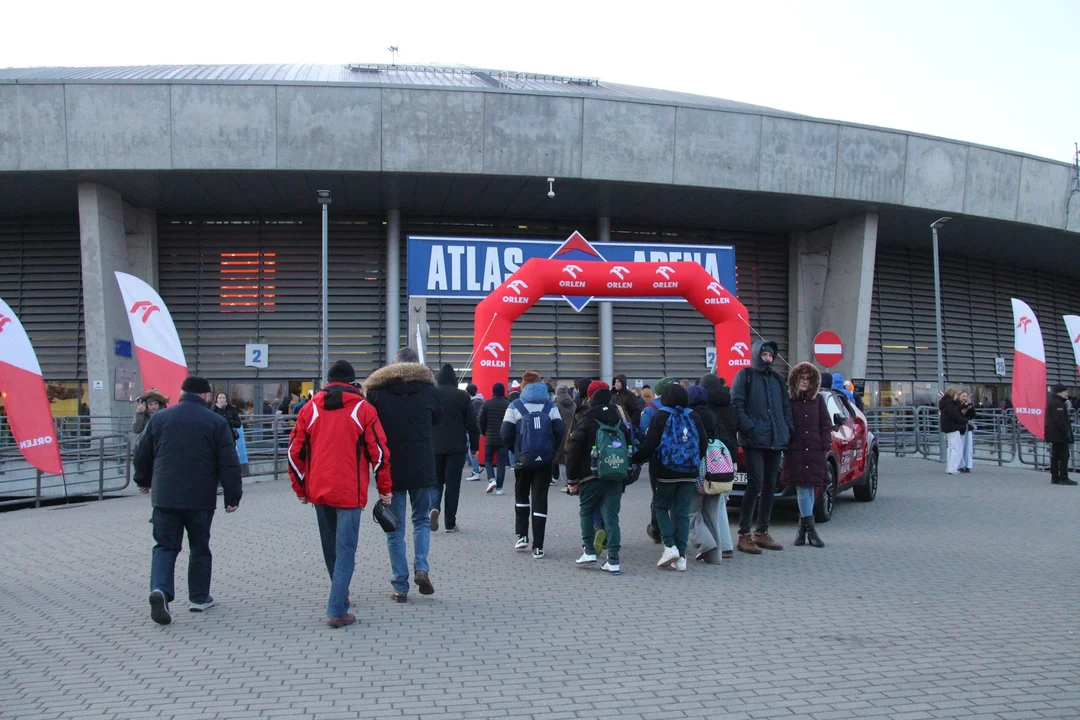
(393, 54)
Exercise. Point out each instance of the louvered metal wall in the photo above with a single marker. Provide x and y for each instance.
(657, 339)
(977, 317)
(198, 259)
(41, 279)
(551, 337)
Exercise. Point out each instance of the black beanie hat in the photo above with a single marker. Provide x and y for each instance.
(471, 389)
(1059, 388)
(195, 384)
(341, 372)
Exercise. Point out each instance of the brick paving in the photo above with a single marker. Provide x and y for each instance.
(945, 598)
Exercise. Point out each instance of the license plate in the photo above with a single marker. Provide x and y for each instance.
(740, 478)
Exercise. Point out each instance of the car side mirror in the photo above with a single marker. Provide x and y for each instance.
(837, 420)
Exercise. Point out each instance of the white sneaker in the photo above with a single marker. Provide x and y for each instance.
(473, 477)
(499, 491)
(202, 607)
(433, 519)
(680, 564)
(671, 554)
(538, 553)
(490, 487)
(159, 608)
(522, 543)
(586, 559)
(609, 568)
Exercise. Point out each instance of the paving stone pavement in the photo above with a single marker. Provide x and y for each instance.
(946, 597)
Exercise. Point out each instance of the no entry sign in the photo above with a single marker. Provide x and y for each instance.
(828, 350)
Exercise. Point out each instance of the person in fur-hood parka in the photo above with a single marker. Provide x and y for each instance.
(797, 373)
(408, 405)
(806, 464)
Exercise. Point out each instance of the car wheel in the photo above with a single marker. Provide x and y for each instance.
(868, 490)
(823, 508)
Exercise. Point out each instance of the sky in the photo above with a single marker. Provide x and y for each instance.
(991, 72)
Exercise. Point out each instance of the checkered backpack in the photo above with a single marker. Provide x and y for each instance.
(717, 470)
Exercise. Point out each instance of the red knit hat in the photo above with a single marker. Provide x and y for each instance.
(596, 385)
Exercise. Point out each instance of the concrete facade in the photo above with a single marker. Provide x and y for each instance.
(105, 249)
(831, 285)
(236, 126)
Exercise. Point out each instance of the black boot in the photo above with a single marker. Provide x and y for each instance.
(811, 533)
(800, 539)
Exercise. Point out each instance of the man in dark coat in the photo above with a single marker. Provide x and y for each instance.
(183, 454)
(621, 396)
(763, 412)
(496, 456)
(404, 395)
(1058, 432)
(455, 432)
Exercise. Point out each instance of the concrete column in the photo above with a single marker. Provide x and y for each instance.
(393, 283)
(106, 248)
(607, 317)
(831, 286)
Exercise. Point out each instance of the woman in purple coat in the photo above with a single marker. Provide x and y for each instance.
(805, 463)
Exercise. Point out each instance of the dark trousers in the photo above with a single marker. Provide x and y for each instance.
(1059, 461)
(604, 497)
(489, 460)
(448, 470)
(532, 483)
(169, 526)
(762, 470)
(673, 500)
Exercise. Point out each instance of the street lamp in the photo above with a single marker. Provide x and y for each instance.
(940, 222)
(324, 362)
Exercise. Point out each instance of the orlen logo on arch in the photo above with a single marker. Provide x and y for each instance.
(495, 350)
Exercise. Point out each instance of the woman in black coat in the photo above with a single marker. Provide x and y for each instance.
(805, 463)
(222, 407)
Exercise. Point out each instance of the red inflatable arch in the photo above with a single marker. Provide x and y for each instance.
(538, 278)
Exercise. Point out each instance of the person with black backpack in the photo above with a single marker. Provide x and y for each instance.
(597, 468)
(532, 426)
(676, 441)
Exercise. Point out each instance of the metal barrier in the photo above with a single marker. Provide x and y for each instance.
(895, 428)
(92, 467)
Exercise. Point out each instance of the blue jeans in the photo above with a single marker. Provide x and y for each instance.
(169, 526)
(967, 456)
(473, 459)
(489, 462)
(421, 500)
(805, 495)
(339, 529)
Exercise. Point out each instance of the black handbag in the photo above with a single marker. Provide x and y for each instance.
(386, 519)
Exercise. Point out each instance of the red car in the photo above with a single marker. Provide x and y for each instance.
(853, 461)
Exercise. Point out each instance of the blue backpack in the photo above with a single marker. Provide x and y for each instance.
(680, 447)
(535, 445)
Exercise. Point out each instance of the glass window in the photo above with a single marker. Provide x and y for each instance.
(275, 396)
(64, 398)
(242, 396)
(836, 406)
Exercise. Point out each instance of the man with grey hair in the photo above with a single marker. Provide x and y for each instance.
(405, 397)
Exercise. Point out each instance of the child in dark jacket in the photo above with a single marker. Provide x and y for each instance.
(675, 488)
(595, 494)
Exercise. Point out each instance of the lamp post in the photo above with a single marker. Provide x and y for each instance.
(324, 362)
(940, 222)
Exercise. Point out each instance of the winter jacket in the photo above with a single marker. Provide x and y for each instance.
(567, 408)
(762, 404)
(626, 400)
(458, 418)
(952, 419)
(408, 405)
(184, 453)
(490, 420)
(646, 417)
(601, 408)
(1058, 424)
(674, 397)
(477, 404)
(838, 384)
(534, 395)
(721, 407)
(230, 413)
(806, 460)
(336, 439)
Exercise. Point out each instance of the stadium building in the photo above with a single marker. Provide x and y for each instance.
(203, 179)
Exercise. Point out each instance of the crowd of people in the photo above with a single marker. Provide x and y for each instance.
(412, 433)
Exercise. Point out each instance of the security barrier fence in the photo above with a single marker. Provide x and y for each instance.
(96, 451)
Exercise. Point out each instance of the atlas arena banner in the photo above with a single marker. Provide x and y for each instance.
(1029, 369)
(28, 410)
(1072, 324)
(161, 358)
(454, 267)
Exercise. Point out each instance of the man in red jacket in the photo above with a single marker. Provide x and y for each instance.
(337, 442)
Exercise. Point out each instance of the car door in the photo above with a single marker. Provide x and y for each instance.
(844, 435)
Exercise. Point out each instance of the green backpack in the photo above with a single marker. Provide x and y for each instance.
(612, 453)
